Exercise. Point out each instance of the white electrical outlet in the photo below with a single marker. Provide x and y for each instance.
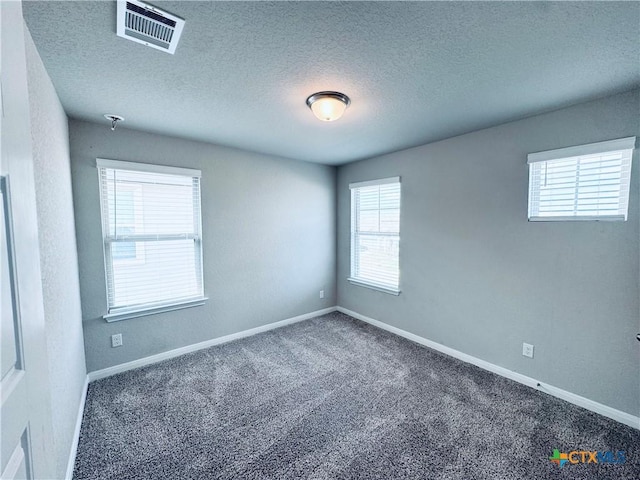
(527, 350)
(321, 293)
(116, 340)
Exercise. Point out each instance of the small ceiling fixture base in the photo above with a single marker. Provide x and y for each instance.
(114, 120)
(328, 106)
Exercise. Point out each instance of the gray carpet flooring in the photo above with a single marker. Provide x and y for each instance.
(333, 397)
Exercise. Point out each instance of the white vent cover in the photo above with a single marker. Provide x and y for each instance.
(146, 24)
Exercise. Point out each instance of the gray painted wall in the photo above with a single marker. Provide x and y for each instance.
(58, 257)
(479, 278)
(268, 241)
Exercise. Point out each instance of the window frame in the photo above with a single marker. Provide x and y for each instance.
(359, 281)
(114, 312)
(549, 157)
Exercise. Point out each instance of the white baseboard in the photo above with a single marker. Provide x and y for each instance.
(141, 362)
(617, 415)
(76, 432)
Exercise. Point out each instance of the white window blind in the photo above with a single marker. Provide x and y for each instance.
(375, 234)
(152, 235)
(587, 182)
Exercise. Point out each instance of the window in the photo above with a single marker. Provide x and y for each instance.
(152, 242)
(587, 182)
(375, 234)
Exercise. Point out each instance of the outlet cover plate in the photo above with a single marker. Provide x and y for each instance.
(527, 350)
(116, 340)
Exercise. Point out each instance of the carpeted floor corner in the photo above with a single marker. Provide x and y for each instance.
(335, 398)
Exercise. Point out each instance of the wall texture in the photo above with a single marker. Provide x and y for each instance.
(268, 241)
(58, 257)
(476, 276)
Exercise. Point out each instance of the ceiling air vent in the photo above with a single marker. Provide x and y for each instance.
(146, 24)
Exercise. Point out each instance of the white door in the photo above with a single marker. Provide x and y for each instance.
(16, 456)
(26, 449)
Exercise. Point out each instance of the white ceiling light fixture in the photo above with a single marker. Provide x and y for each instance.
(328, 106)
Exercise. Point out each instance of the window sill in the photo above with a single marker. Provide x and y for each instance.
(581, 218)
(373, 286)
(144, 311)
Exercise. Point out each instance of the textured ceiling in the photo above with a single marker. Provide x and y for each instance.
(416, 72)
